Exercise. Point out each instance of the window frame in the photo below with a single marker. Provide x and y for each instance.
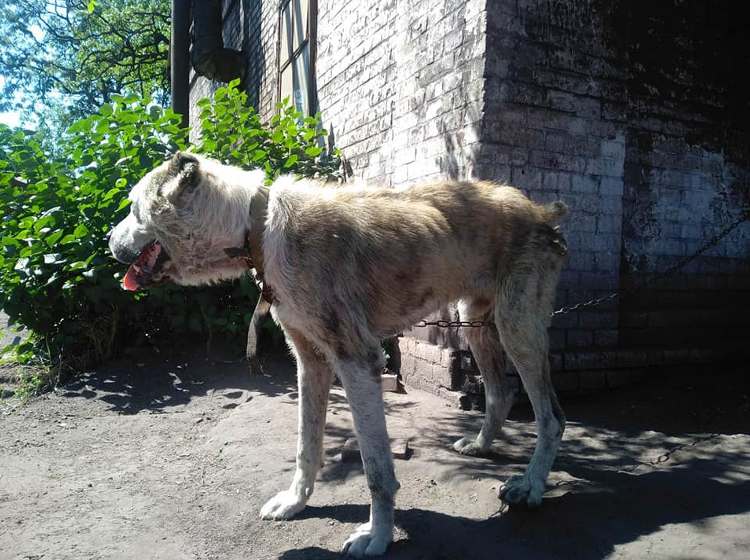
(311, 40)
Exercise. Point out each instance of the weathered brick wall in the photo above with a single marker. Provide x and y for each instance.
(686, 171)
(400, 85)
(614, 109)
(261, 41)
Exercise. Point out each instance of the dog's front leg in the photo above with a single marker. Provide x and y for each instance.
(361, 380)
(314, 378)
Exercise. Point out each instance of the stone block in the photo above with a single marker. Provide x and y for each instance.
(389, 382)
(611, 186)
(587, 184)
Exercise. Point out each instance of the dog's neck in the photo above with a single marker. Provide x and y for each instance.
(252, 252)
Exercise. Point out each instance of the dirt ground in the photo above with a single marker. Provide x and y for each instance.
(172, 458)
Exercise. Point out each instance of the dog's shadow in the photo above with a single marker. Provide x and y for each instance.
(585, 524)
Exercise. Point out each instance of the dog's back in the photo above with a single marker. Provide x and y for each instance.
(405, 252)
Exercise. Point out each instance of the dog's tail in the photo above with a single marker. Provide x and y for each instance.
(553, 213)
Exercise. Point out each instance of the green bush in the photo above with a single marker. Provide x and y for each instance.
(57, 278)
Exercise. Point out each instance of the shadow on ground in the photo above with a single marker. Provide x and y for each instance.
(670, 452)
(131, 386)
(587, 522)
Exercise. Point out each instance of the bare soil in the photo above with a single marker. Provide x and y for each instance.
(172, 458)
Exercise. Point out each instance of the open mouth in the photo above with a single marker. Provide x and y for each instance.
(145, 270)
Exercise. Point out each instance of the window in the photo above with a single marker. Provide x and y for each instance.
(296, 52)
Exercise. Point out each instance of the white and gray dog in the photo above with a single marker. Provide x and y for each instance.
(347, 266)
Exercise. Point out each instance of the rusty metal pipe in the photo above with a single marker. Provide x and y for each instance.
(179, 47)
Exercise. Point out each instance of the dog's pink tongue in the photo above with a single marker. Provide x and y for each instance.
(141, 270)
(130, 282)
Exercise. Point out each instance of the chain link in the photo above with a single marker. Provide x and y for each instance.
(710, 244)
(585, 304)
(451, 324)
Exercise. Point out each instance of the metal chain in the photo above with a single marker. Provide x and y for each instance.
(451, 324)
(585, 304)
(711, 243)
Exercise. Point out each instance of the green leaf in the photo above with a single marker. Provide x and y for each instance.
(110, 194)
(291, 160)
(53, 237)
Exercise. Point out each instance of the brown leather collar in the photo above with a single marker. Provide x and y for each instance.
(252, 252)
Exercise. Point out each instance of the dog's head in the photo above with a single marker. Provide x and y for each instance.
(184, 215)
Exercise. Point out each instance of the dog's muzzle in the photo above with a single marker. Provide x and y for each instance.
(123, 254)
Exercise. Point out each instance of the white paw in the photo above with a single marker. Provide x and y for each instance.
(520, 491)
(469, 446)
(283, 505)
(366, 541)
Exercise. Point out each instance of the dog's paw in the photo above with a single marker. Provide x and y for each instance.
(366, 541)
(469, 446)
(520, 491)
(283, 505)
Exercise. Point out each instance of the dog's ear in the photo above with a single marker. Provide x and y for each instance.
(184, 170)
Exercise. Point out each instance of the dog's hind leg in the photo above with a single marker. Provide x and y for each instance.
(524, 304)
(499, 392)
(361, 380)
(314, 379)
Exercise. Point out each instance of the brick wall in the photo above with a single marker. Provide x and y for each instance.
(615, 108)
(400, 85)
(687, 171)
(261, 37)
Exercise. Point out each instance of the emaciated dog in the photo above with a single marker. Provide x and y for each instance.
(348, 266)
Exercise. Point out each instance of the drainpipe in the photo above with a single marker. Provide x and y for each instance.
(179, 46)
(209, 56)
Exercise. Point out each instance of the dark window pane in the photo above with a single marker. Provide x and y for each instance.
(286, 35)
(301, 19)
(302, 80)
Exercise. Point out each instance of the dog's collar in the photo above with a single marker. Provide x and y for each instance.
(252, 252)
